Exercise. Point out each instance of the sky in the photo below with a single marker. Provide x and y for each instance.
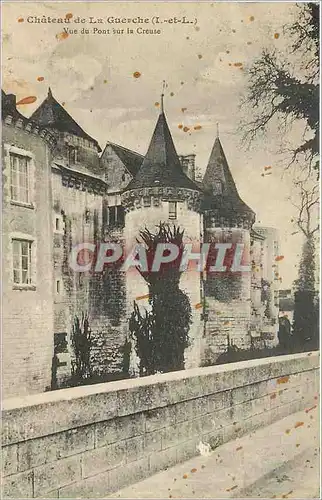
(111, 85)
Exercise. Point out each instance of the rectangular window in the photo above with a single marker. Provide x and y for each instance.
(19, 166)
(57, 286)
(72, 155)
(172, 209)
(116, 216)
(21, 250)
(57, 224)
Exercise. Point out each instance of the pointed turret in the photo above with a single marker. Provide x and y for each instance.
(51, 114)
(161, 165)
(220, 188)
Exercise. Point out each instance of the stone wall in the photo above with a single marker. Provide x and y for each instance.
(27, 321)
(88, 442)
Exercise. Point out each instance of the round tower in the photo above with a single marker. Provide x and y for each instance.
(162, 193)
(227, 219)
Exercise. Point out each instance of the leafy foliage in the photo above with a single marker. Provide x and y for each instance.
(161, 334)
(81, 343)
(306, 317)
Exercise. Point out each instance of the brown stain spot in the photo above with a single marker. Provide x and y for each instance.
(136, 74)
(229, 64)
(141, 297)
(185, 476)
(183, 110)
(197, 127)
(234, 31)
(193, 470)
(63, 103)
(27, 100)
(172, 94)
(268, 167)
(180, 126)
(273, 396)
(252, 18)
(239, 448)
(310, 354)
(298, 424)
(315, 397)
(105, 81)
(187, 37)
(227, 51)
(198, 306)
(40, 79)
(234, 423)
(249, 43)
(203, 466)
(20, 19)
(197, 28)
(199, 56)
(69, 15)
(156, 104)
(310, 409)
(91, 88)
(283, 380)
(226, 323)
(286, 494)
(232, 488)
(186, 129)
(276, 36)
(297, 445)
(181, 83)
(279, 257)
(287, 431)
(62, 36)
(238, 64)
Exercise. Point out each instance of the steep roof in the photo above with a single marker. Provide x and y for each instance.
(161, 165)
(51, 114)
(130, 159)
(227, 197)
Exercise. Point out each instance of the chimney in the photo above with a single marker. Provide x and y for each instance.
(188, 165)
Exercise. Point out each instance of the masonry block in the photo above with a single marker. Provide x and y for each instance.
(9, 460)
(135, 448)
(159, 418)
(162, 460)
(92, 487)
(129, 474)
(18, 485)
(35, 452)
(103, 459)
(57, 474)
(153, 441)
(120, 428)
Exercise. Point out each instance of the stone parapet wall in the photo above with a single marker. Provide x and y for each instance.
(88, 442)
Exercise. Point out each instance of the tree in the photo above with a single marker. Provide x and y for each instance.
(161, 334)
(306, 317)
(81, 343)
(286, 89)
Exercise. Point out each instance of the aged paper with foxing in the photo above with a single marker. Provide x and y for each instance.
(160, 264)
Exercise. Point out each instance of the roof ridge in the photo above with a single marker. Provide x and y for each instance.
(125, 149)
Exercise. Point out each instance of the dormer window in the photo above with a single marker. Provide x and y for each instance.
(217, 187)
(72, 155)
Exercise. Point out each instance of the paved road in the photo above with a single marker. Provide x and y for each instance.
(279, 461)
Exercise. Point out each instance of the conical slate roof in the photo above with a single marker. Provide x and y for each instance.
(219, 185)
(51, 114)
(161, 165)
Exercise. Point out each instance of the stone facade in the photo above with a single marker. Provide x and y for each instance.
(85, 195)
(27, 255)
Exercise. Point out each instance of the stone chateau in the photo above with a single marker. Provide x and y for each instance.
(59, 189)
